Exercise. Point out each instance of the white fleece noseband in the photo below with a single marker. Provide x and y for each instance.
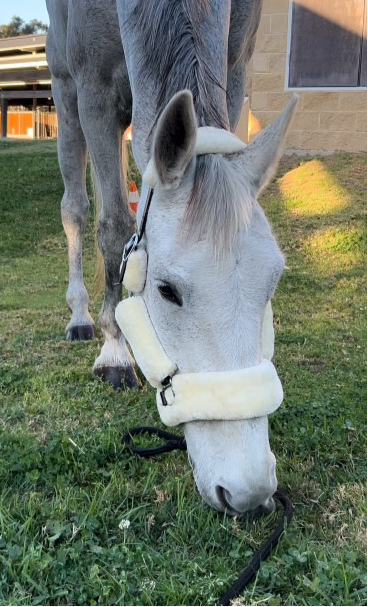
(184, 397)
(231, 395)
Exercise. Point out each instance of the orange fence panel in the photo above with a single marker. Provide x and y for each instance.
(35, 124)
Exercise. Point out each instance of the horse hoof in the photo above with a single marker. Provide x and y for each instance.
(119, 377)
(80, 333)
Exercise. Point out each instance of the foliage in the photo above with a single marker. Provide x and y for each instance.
(82, 522)
(18, 27)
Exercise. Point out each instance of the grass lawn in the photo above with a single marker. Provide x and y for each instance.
(68, 486)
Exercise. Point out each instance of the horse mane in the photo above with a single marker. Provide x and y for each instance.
(173, 53)
(220, 204)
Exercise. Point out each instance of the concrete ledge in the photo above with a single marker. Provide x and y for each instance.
(292, 152)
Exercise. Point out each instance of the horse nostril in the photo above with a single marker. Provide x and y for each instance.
(223, 497)
(240, 504)
(268, 506)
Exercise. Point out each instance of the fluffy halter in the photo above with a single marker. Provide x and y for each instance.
(232, 395)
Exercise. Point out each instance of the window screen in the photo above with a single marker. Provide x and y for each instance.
(328, 45)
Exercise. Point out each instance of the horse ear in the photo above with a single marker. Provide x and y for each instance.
(261, 157)
(175, 138)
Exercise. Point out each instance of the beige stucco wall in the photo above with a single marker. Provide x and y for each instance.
(327, 121)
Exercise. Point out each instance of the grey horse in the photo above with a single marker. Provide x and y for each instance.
(92, 84)
(169, 67)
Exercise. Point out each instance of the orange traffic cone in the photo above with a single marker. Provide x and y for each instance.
(133, 197)
(127, 135)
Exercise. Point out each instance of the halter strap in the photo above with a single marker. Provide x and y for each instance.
(133, 243)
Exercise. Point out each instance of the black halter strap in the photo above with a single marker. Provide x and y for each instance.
(132, 244)
(147, 205)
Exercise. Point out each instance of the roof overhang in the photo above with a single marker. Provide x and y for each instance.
(29, 43)
(44, 94)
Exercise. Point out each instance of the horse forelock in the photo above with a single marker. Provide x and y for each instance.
(220, 204)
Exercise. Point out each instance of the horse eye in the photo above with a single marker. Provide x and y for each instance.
(169, 293)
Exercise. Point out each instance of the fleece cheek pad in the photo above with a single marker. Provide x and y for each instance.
(268, 333)
(132, 317)
(136, 271)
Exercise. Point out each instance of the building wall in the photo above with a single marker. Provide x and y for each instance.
(324, 121)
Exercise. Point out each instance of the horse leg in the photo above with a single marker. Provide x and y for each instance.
(103, 131)
(72, 155)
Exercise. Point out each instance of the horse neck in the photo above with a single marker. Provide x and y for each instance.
(194, 49)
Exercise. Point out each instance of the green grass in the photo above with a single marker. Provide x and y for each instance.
(66, 481)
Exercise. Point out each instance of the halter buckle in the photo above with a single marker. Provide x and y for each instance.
(130, 246)
(166, 383)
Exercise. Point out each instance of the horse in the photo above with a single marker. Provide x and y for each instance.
(213, 261)
(93, 100)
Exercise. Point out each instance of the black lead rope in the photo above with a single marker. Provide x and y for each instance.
(174, 442)
(260, 555)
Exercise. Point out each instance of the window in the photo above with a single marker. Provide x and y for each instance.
(327, 44)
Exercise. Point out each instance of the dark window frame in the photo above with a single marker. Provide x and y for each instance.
(309, 88)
